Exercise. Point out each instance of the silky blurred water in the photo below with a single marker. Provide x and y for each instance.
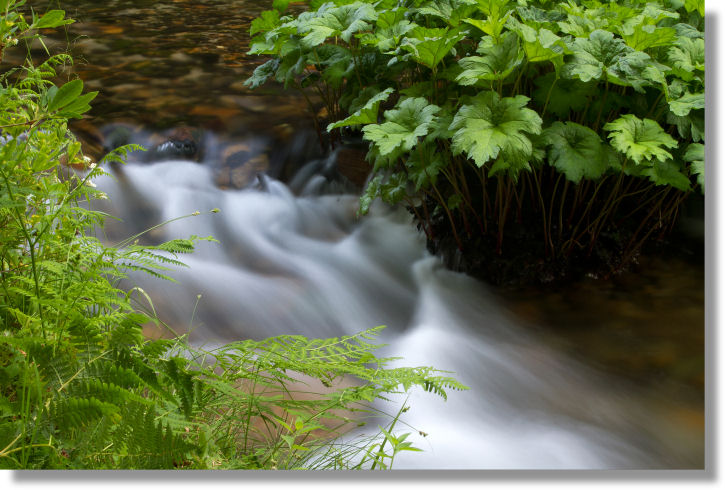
(305, 264)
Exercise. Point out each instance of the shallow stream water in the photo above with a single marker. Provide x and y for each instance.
(595, 374)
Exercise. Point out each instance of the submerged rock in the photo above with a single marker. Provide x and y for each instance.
(182, 143)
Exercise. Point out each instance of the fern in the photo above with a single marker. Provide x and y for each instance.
(80, 386)
(147, 444)
(71, 412)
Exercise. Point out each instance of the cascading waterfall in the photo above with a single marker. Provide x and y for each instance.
(302, 262)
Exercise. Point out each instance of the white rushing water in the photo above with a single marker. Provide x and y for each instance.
(304, 264)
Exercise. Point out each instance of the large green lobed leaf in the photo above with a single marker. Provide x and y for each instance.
(343, 21)
(410, 120)
(497, 62)
(429, 46)
(490, 126)
(576, 151)
(640, 139)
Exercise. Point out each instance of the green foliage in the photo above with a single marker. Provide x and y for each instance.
(495, 102)
(601, 56)
(81, 387)
(576, 151)
(499, 60)
(640, 140)
(696, 156)
(330, 21)
(411, 119)
(367, 114)
(493, 128)
(428, 46)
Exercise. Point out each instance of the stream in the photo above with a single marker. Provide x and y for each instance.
(595, 374)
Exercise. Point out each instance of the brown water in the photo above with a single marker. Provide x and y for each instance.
(166, 63)
(162, 64)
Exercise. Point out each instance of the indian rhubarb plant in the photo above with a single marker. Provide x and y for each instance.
(554, 132)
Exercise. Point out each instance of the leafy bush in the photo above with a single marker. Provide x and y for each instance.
(80, 385)
(555, 123)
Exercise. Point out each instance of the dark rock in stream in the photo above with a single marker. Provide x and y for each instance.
(182, 143)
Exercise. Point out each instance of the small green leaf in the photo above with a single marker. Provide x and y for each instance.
(692, 5)
(394, 188)
(496, 17)
(640, 139)
(686, 103)
(691, 126)
(386, 39)
(581, 26)
(262, 74)
(687, 58)
(388, 18)
(280, 5)
(455, 201)
(667, 172)
(593, 55)
(538, 18)
(335, 62)
(66, 94)
(546, 47)
(79, 106)
(372, 191)
(424, 165)
(52, 18)
(450, 11)
(695, 154)
(267, 20)
(368, 114)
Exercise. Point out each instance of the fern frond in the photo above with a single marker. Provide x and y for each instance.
(72, 412)
(148, 445)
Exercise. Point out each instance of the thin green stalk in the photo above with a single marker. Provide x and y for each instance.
(450, 216)
(561, 210)
(503, 213)
(574, 238)
(548, 96)
(631, 247)
(551, 205)
(424, 223)
(31, 248)
(518, 79)
(601, 107)
(548, 245)
(601, 220)
(435, 86)
(457, 191)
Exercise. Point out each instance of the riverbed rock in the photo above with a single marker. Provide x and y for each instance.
(240, 167)
(183, 143)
